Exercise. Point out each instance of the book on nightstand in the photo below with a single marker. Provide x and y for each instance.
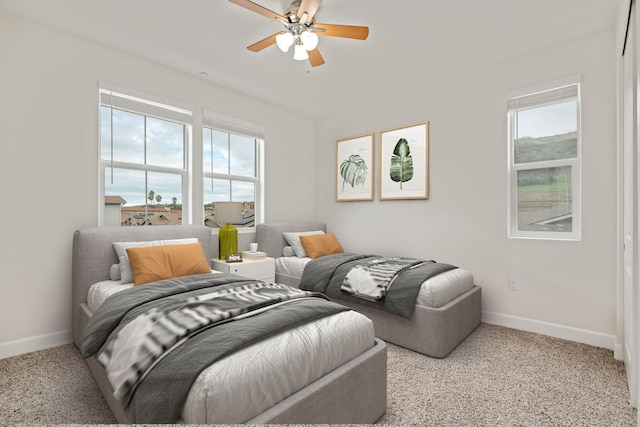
(253, 255)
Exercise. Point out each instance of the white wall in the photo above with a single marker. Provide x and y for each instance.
(49, 163)
(48, 174)
(566, 288)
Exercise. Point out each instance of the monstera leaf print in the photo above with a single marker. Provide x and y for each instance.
(401, 169)
(353, 171)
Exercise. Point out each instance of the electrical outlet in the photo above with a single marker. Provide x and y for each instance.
(512, 284)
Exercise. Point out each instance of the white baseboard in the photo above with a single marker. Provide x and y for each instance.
(596, 339)
(618, 352)
(40, 342)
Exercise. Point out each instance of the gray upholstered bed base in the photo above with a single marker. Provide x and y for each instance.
(431, 331)
(354, 393)
(330, 400)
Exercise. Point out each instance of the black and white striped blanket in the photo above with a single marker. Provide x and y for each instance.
(372, 279)
(135, 348)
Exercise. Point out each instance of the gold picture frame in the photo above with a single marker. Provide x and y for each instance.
(404, 162)
(355, 168)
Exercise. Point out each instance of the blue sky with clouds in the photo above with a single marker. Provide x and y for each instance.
(164, 147)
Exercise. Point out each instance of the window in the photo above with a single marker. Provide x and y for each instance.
(544, 162)
(148, 177)
(143, 161)
(231, 165)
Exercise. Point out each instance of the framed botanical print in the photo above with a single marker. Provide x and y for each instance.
(404, 162)
(354, 168)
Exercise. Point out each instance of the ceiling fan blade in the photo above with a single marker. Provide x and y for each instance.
(264, 43)
(254, 7)
(315, 58)
(347, 31)
(309, 7)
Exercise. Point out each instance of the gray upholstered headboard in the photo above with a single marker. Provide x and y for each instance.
(270, 239)
(93, 255)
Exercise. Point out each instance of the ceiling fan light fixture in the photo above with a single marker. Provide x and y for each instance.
(300, 53)
(284, 41)
(300, 29)
(309, 39)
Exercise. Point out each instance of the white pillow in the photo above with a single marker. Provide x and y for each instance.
(126, 275)
(114, 272)
(296, 244)
(287, 251)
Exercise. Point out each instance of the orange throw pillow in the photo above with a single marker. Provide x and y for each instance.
(318, 245)
(155, 263)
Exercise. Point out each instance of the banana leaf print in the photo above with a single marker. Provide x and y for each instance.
(401, 169)
(353, 171)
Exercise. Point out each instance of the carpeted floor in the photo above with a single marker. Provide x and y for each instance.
(496, 377)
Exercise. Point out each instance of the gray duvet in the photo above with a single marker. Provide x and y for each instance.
(160, 394)
(326, 275)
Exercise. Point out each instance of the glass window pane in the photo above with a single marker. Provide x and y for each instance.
(545, 199)
(548, 132)
(225, 153)
(245, 192)
(215, 190)
(128, 184)
(242, 155)
(220, 192)
(128, 137)
(220, 152)
(165, 187)
(165, 143)
(124, 198)
(127, 201)
(229, 191)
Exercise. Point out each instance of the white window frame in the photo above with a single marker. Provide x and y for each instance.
(151, 106)
(232, 125)
(537, 96)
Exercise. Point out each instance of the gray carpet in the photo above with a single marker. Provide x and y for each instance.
(496, 377)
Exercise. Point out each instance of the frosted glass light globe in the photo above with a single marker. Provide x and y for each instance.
(309, 39)
(284, 41)
(300, 53)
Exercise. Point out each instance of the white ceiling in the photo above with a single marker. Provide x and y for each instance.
(409, 40)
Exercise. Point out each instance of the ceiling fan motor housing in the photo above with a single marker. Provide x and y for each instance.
(292, 11)
(292, 14)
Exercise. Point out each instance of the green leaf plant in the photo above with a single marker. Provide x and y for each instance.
(353, 171)
(401, 169)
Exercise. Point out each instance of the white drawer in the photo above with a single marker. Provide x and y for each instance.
(263, 269)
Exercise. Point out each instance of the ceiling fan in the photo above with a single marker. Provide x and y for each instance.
(301, 30)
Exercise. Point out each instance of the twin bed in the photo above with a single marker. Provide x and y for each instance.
(448, 307)
(326, 368)
(324, 364)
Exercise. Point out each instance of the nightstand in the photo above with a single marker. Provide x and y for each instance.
(259, 269)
